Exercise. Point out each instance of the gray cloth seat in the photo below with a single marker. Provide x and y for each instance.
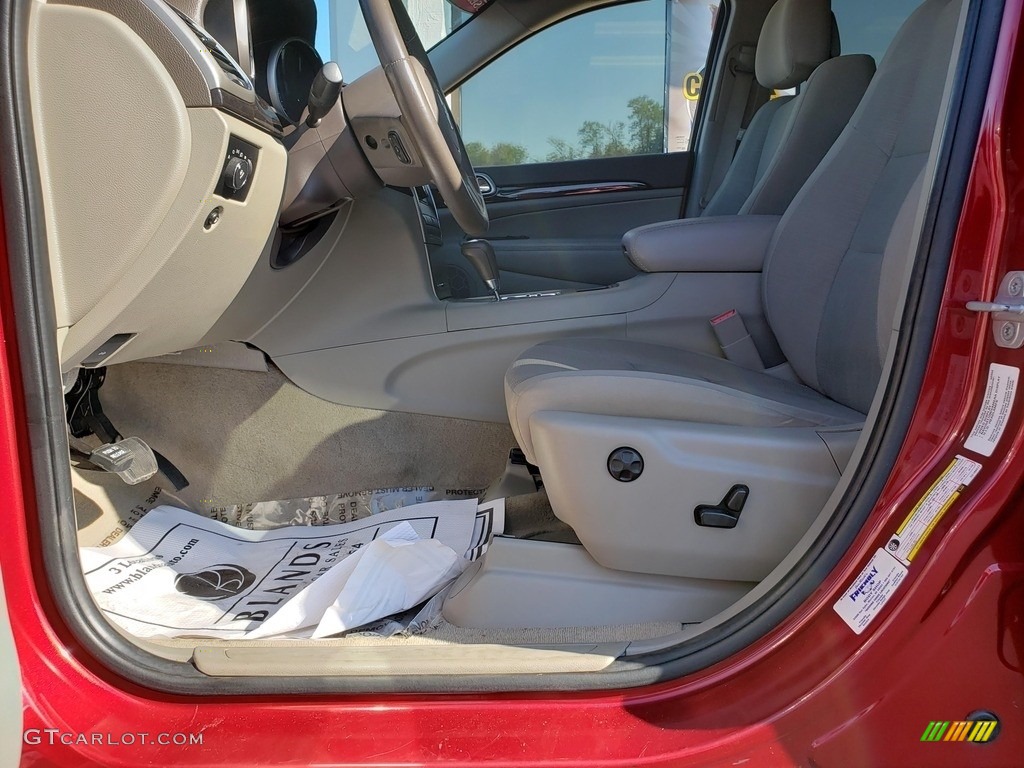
(831, 276)
(789, 135)
(614, 376)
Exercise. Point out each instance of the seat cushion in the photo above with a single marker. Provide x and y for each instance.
(625, 378)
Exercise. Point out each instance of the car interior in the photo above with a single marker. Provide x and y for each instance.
(292, 283)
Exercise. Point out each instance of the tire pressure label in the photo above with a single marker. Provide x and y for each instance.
(927, 513)
(870, 591)
(995, 409)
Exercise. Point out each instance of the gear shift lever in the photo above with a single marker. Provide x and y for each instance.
(480, 253)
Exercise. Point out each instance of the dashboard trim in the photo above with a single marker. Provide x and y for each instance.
(248, 111)
(243, 37)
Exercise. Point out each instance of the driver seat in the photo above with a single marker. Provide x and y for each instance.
(699, 426)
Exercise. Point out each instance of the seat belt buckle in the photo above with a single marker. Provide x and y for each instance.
(130, 459)
(735, 341)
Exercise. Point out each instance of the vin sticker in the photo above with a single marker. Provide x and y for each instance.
(995, 409)
(870, 591)
(927, 513)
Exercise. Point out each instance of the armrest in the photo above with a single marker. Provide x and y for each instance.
(709, 244)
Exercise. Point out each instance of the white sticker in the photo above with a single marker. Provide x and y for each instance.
(926, 514)
(995, 409)
(870, 591)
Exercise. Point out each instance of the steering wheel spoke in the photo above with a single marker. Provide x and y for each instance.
(425, 111)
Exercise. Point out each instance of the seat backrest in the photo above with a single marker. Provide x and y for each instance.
(839, 254)
(789, 135)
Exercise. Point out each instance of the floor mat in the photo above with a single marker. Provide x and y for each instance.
(242, 435)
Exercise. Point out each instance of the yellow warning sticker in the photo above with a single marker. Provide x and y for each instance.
(927, 513)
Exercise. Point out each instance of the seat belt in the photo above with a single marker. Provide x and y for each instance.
(737, 115)
(129, 458)
(735, 340)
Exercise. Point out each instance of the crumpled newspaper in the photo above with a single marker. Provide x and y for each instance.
(179, 574)
(391, 574)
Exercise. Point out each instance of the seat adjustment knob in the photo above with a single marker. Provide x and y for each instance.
(625, 464)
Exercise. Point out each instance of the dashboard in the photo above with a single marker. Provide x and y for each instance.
(162, 168)
(177, 175)
(273, 41)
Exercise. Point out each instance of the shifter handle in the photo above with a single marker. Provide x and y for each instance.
(480, 254)
(324, 93)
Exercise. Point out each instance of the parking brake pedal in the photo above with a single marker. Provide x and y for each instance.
(130, 459)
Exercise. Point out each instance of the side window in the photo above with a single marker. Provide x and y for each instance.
(619, 80)
(868, 26)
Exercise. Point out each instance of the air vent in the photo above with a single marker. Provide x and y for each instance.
(223, 59)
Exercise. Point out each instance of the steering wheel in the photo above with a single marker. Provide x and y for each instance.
(425, 111)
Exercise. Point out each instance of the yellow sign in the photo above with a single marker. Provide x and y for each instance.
(691, 85)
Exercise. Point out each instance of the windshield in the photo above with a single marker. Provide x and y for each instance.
(341, 33)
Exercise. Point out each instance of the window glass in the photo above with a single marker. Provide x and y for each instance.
(341, 33)
(619, 80)
(868, 26)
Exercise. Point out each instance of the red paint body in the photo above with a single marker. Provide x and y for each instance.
(949, 642)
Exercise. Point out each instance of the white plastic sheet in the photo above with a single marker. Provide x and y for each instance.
(178, 574)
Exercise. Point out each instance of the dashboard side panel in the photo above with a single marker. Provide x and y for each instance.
(112, 169)
(141, 19)
(129, 173)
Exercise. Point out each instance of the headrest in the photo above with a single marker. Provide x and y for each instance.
(795, 39)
